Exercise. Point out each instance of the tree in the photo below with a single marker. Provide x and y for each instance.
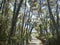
(14, 19)
(52, 18)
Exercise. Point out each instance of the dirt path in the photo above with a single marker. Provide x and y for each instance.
(35, 41)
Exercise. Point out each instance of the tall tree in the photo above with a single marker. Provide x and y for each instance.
(57, 13)
(14, 19)
(52, 17)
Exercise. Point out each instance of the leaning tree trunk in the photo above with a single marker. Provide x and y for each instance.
(52, 18)
(14, 19)
(57, 13)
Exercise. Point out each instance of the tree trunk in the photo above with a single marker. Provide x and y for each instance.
(14, 19)
(52, 18)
